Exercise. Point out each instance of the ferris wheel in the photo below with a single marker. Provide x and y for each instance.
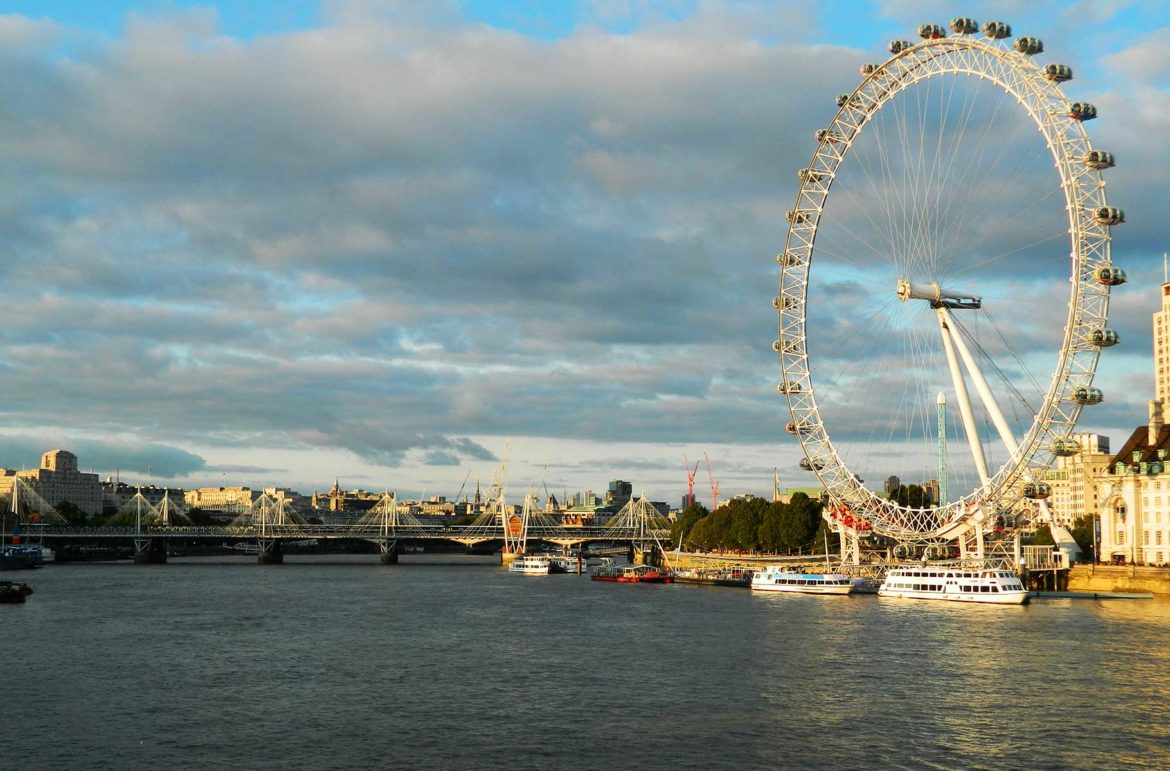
(950, 331)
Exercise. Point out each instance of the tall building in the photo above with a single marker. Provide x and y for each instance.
(891, 486)
(1074, 479)
(58, 481)
(618, 494)
(1162, 348)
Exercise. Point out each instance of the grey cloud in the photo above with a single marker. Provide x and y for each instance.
(382, 237)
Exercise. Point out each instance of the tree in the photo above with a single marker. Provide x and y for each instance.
(913, 496)
(1082, 533)
(743, 523)
(1043, 537)
(770, 533)
(685, 521)
(72, 513)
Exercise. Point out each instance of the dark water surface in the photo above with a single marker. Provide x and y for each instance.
(338, 662)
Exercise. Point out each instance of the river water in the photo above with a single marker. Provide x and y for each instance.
(339, 662)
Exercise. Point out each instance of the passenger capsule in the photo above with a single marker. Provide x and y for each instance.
(808, 175)
(784, 303)
(789, 259)
(794, 429)
(1109, 276)
(809, 465)
(1085, 396)
(898, 46)
(1082, 111)
(997, 30)
(868, 69)
(1029, 46)
(1099, 159)
(1063, 447)
(1102, 338)
(796, 216)
(931, 32)
(1037, 490)
(786, 388)
(777, 345)
(961, 25)
(1108, 215)
(824, 135)
(1058, 73)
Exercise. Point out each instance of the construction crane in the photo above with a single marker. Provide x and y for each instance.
(714, 483)
(462, 487)
(690, 479)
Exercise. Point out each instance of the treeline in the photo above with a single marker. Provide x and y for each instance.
(752, 525)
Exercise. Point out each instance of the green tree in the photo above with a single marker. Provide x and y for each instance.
(702, 534)
(72, 513)
(769, 534)
(685, 521)
(1043, 537)
(743, 524)
(913, 496)
(1082, 533)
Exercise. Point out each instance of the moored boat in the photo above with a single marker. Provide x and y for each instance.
(18, 557)
(998, 587)
(530, 565)
(631, 574)
(736, 576)
(781, 579)
(13, 592)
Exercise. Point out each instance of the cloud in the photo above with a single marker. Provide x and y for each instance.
(377, 237)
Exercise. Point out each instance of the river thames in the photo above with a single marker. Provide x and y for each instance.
(338, 662)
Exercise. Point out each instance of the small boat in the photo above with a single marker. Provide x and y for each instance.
(17, 557)
(775, 578)
(631, 574)
(561, 564)
(530, 565)
(13, 592)
(735, 576)
(997, 587)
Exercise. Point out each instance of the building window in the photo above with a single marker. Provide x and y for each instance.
(1145, 537)
(1158, 538)
(1120, 537)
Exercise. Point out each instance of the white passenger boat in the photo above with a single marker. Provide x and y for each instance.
(999, 587)
(780, 579)
(530, 564)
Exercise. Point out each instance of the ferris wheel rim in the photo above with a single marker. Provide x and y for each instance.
(1045, 103)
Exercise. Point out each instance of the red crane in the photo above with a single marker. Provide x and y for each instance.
(714, 483)
(690, 479)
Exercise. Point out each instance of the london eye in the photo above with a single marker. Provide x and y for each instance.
(944, 287)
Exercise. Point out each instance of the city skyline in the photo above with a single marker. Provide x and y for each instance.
(282, 245)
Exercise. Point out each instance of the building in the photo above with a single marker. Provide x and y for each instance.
(891, 485)
(1135, 497)
(221, 498)
(618, 494)
(58, 481)
(338, 502)
(1074, 479)
(1162, 348)
(117, 495)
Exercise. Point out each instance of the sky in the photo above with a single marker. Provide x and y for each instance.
(399, 244)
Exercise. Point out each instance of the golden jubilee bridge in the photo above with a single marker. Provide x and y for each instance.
(269, 524)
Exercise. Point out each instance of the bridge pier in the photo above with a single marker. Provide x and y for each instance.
(150, 551)
(388, 552)
(271, 552)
